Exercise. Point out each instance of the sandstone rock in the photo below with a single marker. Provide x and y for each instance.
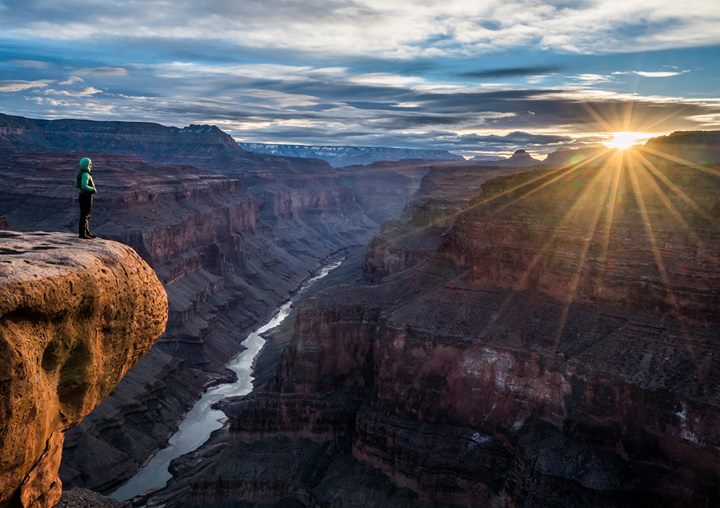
(75, 316)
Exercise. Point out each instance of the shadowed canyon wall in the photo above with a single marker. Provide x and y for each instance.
(538, 339)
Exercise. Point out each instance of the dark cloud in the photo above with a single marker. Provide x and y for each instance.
(515, 138)
(510, 72)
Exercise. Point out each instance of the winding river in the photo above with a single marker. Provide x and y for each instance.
(202, 420)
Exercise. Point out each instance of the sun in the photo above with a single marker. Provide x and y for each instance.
(624, 139)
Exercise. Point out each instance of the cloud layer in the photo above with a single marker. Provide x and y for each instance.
(472, 77)
(399, 29)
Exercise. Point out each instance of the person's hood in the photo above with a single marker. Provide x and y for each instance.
(85, 164)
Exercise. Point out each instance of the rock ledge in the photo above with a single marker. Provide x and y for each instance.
(75, 316)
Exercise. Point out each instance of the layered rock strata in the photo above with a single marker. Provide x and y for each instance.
(75, 316)
(555, 347)
(230, 240)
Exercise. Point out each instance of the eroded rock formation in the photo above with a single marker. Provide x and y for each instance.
(549, 341)
(230, 236)
(75, 316)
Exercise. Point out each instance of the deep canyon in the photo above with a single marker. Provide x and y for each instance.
(507, 337)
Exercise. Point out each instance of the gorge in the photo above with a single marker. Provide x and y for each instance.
(510, 336)
(545, 338)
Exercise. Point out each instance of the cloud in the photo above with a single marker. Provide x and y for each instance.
(29, 64)
(329, 105)
(105, 71)
(405, 73)
(592, 79)
(402, 29)
(653, 74)
(511, 72)
(20, 85)
(71, 80)
(85, 92)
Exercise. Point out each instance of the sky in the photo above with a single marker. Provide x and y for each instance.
(469, 76)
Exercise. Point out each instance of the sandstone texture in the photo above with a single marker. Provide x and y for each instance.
(549, 339)
(75, 316)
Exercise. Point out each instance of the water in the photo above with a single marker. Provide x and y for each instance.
(202, 420)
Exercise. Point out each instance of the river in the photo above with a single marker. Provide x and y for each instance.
(202, 420)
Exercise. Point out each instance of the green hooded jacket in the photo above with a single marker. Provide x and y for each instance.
(84, 179)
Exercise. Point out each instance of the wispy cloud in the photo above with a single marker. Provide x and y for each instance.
(105, 71)
(653, 74)
(71, 80)
(29, 64)
(85, 92)
(19, 85)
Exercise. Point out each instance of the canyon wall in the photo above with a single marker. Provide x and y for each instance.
(545, 338)
(74, 319)
(230, 240)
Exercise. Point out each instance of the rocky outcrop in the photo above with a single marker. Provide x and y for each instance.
(149, 139)
(75, 316)
(230, 240)
(702, 147)
(412, 238)
(520, 158)
(556, 347)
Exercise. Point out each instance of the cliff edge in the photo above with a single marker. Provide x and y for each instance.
(75, 316)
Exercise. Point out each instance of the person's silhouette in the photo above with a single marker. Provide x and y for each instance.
(84, 182)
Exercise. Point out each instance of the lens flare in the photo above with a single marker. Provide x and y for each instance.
(624, 139)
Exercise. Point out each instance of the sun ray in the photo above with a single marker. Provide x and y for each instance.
(655, 251)
(678, 191)
(679, 160)
(617, 174)
(598, 117)
(594, 220)
(628, 115)
(662, 270)
(564, 171)
(548, 183)
(672, 209)
(663, 119)
(522, 282)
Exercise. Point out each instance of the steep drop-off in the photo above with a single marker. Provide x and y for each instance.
(228, 244)
(552, 342)
(75, 316)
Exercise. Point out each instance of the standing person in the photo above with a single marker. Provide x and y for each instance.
(84, 182)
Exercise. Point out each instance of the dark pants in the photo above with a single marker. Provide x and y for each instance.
(86, 201)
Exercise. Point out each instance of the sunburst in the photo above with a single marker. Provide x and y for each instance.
(624, 139)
